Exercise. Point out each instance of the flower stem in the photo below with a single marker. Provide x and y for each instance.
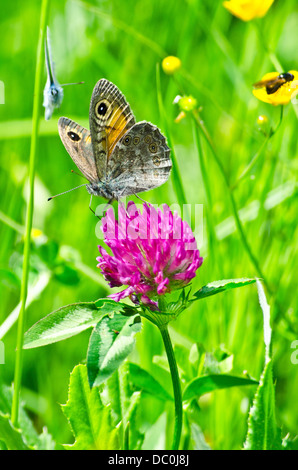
(273, 131)
(251, 163)
(176, 385)
(211, 232)
(259, 152)
(238, 222)
(29, 214)
(177, 179)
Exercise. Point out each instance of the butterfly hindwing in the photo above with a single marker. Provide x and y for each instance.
(140, 160)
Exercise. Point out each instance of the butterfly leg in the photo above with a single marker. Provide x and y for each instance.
(108, 204)
(139, 197)
(91, 208)
(119, 202)
(103, 210)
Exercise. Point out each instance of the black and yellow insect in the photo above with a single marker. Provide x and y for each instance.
(273, 84)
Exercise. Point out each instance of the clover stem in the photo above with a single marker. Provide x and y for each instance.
(176, 385)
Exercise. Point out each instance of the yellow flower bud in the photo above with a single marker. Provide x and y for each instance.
(187, 103)
(171, 64)
(262, 120)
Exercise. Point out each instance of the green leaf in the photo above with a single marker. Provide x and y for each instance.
(69, 321)
(10, 436)
(146, 382)
(89, 419)
(124, 402)
(133, 431)
(263, 433)
(216, 287)
(110, 343)
(209, 383)
(266, 319)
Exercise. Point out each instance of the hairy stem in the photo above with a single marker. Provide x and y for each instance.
(176, 386)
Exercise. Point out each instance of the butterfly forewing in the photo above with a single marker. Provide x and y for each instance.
(140, 161)
(110, 117)
(77, 141)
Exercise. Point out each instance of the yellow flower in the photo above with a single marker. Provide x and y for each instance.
(171, 64)
(283, 95)
(247, 10)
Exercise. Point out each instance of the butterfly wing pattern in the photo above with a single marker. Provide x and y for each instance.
(140, 161)
(77, 141)
(119, 157)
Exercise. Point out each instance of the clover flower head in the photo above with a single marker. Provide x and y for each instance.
(247, 10)
(153, 252)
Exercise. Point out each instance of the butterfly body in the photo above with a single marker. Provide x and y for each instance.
(119, 157)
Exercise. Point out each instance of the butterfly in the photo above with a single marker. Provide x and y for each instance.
(118, 156)
(273, 84)
(53, 91)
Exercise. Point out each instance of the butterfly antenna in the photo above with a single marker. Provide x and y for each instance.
(60, 194)
(79, 174)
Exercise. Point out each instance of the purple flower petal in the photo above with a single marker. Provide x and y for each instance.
(153, 251)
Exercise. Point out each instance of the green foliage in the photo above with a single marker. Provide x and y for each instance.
(69, 321)
(263, 433)
(143, 380)
(110, 343)
(89, 418)
(25, 436)
(220, 286)
(209, 383)
(221, 336)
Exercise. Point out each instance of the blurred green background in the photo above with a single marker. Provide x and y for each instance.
(221, 57)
